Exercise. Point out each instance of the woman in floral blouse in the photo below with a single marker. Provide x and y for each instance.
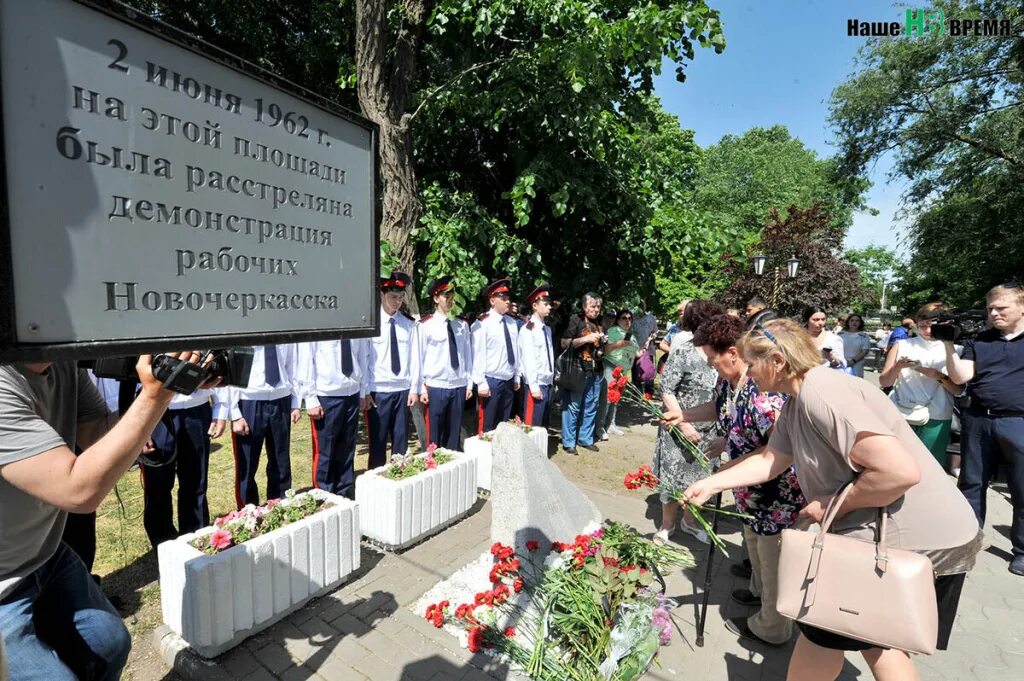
(746, 417)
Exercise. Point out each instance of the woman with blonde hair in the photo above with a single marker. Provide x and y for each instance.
(838, 430)
(916, 367)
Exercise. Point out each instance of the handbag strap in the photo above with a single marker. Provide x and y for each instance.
(818, 546)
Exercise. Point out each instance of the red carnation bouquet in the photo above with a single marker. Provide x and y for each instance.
(645, 477)
(620, 388)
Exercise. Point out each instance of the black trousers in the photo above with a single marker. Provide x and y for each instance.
(269, 422)
(181, 436)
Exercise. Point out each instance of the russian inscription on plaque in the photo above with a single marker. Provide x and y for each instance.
(155, 193)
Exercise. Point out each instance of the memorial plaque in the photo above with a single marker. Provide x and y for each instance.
(160, 195)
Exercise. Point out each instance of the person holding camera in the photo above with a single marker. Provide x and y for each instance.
(579, 410)
(833, 353)
(922, 391)
(621, 351)
(992, 426)
(55, 622)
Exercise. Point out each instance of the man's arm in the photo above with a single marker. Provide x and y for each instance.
(79, 484)
(960, 370)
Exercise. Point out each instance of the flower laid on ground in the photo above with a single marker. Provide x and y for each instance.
(252, 520)
(620, 388)
(410, 466)
(587, 610)
(644, 477)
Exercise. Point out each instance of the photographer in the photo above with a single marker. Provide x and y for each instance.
(992, 366)
(579, 410)
(55, 622)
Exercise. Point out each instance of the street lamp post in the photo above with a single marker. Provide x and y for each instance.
(792, 266)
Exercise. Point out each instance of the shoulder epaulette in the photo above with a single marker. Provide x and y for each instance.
(407, 316)
(426, 317)
(529, 325)
(483, 316)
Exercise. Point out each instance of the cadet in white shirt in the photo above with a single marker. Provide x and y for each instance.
(495, 364)
(264, 411)
(181, 447)
(390, 378)
(335, 384)
(441, 366)
(538, 361)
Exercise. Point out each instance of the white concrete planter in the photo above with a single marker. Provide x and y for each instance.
(398, 513)
(481, 450)
(215, 602)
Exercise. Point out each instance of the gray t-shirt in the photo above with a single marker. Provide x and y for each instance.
(819, 427)
(38, 412)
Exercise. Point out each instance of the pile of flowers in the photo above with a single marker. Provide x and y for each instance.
(252, 520)
(620, 388)
(583, 610)
(645, 477)
(408, 466)
(517, 422)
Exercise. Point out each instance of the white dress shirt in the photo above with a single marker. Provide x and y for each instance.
(489, 352)
(537, 353)
(431, 358)
(258, 389)
(382, 379)
(319, 370)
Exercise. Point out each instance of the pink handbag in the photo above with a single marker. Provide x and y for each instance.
(858, 588)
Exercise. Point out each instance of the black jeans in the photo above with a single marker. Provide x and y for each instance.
(983, 441)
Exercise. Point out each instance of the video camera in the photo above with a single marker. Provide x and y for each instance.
(231, 365)
(955, 325)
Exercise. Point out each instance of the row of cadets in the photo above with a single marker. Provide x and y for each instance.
(538, 361)
(390, 376)
(495, 367)
(262, 412)
(181, 448)
(335, 384)
(442, 363)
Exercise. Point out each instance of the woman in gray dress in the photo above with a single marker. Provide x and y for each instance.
(686, 382)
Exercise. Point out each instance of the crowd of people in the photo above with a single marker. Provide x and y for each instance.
(781, 406)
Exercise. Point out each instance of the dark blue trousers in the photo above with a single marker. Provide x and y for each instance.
(497, 407)
(984, 441)
(181, 435)
(334, 445)
(390, 420)
(269, 421)
(444, 416)
(535, 412)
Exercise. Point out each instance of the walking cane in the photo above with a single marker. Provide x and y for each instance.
(702, 618)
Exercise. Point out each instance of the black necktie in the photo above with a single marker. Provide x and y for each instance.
(453, 351)
(271, 369)
(346, 357)
(547, 344)
(396, 361)
(508, 345)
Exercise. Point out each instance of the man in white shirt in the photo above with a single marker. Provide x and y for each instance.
(538, 361)
(181, 447)
(335, 384)
(390, 378)
(441, 366)
(263, 412)
(495, 364)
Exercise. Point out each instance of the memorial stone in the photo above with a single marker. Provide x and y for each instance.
(530, 497)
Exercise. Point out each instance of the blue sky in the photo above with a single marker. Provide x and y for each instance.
(781, 62)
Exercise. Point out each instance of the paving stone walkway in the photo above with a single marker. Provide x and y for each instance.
(365, 630)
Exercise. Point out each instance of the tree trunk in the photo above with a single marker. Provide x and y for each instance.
(384, 91)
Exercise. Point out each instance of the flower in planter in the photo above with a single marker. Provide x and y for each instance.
(220, 539)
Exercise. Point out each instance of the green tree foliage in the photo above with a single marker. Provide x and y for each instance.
(949, 110)
(823, 278)
(877, 265)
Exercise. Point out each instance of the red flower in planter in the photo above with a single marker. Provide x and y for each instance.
(220, 539)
